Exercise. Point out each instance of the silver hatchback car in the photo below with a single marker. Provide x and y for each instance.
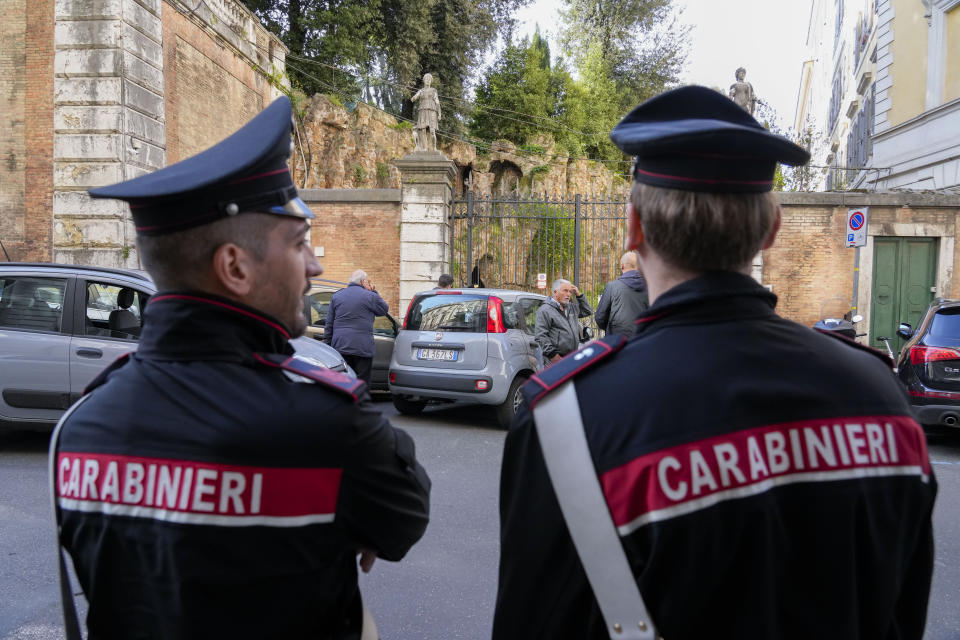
(466, 344)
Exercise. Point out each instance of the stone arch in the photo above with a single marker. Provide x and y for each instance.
(506, 177)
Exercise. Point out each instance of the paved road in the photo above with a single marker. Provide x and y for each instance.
(445, 588)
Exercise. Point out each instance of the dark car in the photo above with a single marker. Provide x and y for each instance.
(60, 325)
(929, 364)
(385, 328)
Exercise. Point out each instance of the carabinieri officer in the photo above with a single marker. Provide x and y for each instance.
(757, 479)
(210, 485)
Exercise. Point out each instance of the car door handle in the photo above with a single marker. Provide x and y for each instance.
(86, 352)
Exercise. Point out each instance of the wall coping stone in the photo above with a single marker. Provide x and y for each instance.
(874, 199)
(350, 195)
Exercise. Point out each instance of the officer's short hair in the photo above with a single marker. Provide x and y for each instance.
(181, 259)
(702, 231)
(445, 280)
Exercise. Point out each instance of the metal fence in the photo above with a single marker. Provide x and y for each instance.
(509, 241)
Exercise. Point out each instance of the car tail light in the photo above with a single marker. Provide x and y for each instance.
(924, 355)
(406, 316)
(948, 395)
(482, 385)
(495, 315)
(393, 378)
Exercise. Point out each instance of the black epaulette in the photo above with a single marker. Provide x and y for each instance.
(853, 343)
(335, 380)
(542, 383)
(102, 376)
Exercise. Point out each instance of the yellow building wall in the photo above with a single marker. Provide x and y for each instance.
(951, 81)
(908, 94)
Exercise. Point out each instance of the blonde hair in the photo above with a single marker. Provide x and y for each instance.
(699, 231)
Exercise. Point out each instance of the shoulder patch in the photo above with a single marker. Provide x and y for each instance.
(853, 343)
(542, 383)
(102, 376)
(334, 380)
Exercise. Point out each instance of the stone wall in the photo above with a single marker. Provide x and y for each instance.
(357, 149)
(359, 229)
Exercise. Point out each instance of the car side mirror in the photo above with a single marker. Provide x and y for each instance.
(905, 331)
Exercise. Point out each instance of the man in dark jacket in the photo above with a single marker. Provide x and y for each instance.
(750, 477)
(349, 324)
(623, 299)
(211, 484)
(557, 329)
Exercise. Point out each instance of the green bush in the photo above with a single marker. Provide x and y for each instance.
(359, 174)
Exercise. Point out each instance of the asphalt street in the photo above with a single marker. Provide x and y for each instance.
(445, 588)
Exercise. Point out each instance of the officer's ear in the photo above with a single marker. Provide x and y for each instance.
(773, 230)
(634, 228)
(234, 270)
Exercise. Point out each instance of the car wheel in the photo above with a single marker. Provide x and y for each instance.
(408, 407)
(508, 408)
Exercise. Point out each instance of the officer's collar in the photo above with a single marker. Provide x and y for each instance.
(192, 325)
(716, 293)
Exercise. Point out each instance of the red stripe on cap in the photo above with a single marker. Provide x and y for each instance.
(696, 475)
(260, 175)
(172, 296)
(702, 180)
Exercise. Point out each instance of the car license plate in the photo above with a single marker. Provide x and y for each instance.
(437, 354)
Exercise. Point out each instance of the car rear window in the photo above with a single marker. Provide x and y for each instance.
(946, 323)
(449, 312)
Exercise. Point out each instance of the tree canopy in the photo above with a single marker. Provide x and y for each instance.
(378, 50)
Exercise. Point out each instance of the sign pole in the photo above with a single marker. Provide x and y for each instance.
(856, 280)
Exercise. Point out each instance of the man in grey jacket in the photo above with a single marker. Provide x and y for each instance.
(623, 299)
(557, 328)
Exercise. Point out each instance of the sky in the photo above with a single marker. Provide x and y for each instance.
(764, 36)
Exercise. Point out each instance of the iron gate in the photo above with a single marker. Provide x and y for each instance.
(506, 242)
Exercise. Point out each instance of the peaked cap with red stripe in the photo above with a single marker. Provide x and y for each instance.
(697, 139)
(246, 172)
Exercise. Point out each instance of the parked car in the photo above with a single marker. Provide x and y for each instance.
(929, 364)
(385, 328)
(60, 325)
(470, 344)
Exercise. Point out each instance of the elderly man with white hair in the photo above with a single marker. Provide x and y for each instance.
(349, 324)
(557, 328)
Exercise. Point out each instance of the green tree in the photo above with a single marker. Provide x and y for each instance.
(378, 50)
(642, 43)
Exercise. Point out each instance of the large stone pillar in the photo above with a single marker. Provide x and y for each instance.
(426, 197)
(108, 121)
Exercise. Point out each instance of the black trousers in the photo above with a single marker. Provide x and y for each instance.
(363, 366)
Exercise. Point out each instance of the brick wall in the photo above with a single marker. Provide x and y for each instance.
(12, 98)
(359, 229)
(26, 140)
(211, 90)
(811, 269)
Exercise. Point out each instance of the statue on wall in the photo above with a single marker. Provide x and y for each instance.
(428, 116)
(742, 93)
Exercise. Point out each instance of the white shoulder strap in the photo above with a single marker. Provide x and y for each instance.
(71, 622)
(574, 478)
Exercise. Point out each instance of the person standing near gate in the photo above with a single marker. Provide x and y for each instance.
(349, 324)
(211, 484)
(747, 476)
(623, 299)
(557, 329)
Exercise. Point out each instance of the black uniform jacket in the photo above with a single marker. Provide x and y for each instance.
(767, 482)
(212, 487)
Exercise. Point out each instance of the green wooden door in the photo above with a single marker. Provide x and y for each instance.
(904, 274)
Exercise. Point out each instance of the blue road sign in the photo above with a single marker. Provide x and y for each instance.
(856, 221)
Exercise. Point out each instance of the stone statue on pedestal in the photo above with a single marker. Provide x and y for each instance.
(742, 93)
(428, 116)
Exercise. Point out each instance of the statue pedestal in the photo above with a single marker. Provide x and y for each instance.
(426, 197)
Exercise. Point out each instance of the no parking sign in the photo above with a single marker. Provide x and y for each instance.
(857, 227)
